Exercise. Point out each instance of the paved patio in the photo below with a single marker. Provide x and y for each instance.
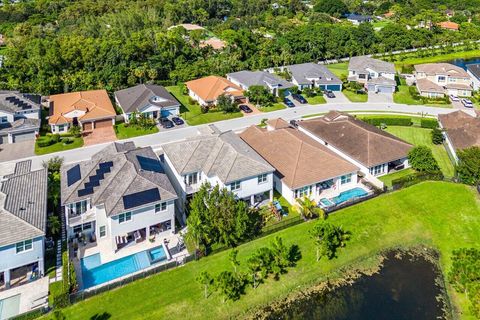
(19, 150)
(33, 295)
(99, 135)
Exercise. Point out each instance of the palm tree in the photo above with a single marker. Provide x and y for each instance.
(308, 209)
(54, 224)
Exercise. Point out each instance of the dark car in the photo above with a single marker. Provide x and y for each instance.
(299, 98)
(178, 121)
(289, 103)
(167, 124)
(329, 94)
(245, 108)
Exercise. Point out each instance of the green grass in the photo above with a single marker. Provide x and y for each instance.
(125, 132)
(403, 96)
(192, 112)
(416, 120)
(316, 100)
(354, 97)
(381, 23)
(410, 59)
(443, 215)
(59, 146)
(339, 69)
(421, 136)
(273, 107)
(55, 288)
(388, 178)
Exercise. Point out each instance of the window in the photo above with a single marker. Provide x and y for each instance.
(303, 192)
(346, 179)
(103, 231)
(262, 178)
(192, 179)
(441, 79)
(452, 79)
(81, 207)
(77, 229)
(124, 217)
(235, 186)
(362, 76)
(23, 246)
(377, 170)
(82, 227)
(3, 119)
(160, 207)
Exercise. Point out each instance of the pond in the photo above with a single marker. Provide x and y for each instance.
(404, 288)
(463, 62)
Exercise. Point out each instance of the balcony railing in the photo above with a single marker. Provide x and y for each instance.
(87, 216)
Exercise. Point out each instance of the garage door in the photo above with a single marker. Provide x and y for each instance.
(24, 136)
(103, 123)
(3, 139)
(385, 89)
(334, 87)
(87, 126)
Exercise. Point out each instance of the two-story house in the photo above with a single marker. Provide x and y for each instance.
(23, 224)
(19, 116)
(119, 198)
(220, 159)
(246, 79)
(154, 101)
(376, 75)
(435, 80)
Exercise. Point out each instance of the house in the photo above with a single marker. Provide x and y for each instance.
(473, 71)
(374, 151)
(376, 75)
(87, 109)
(151, 100)
(188, 26)
(313, 75)
(449, 25)
(246, 79)
(461, 130)
(215, 43)
(435, 80)
(449, 13)
(207, 90)
(222, 159)
(117, 201)
(303, 167)
(23, 224)
(19, 116)
(356, 19)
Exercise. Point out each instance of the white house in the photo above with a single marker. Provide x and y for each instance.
(473, 71)
(440, 79)
(376, 75)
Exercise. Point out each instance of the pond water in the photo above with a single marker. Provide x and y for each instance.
(404, 288)
(463, 62)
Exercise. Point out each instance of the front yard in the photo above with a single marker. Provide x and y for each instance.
(125, 131)
(355, 97)
(403, 96)
(316, 100)
(273, 107)
(66, 143)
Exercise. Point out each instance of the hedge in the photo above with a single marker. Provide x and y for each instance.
(429, 123)
(389, 121)
(415, 178)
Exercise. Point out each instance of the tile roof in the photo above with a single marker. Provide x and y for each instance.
(23, 204)
(259, 78)
(446, 69)
(135, 98)
(362, 63)
(474, 69)
(126, 176)
(211, 87)
(449, 25)
(462, 129)
(298, 159)
(188, 26)
(304, 73)
(425, 85)
(95, 103)
(13, 101)
(363, 142)
(382, 81)
(223, 155)
(215, 43)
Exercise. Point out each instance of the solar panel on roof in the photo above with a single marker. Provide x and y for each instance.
(73, 175)
(149, 164)
(84, 192)
(141, 198)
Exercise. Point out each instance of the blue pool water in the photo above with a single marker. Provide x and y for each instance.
(325, 202)
(349, 194)
(95, 273)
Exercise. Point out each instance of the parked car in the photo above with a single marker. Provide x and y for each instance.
(454, 98)
(289, 103)
(467, 103)
(329, 94)
(167, 124)
(245, 108)
(178, 121)
(299, 98)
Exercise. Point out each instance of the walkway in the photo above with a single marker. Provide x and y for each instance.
(29, 296)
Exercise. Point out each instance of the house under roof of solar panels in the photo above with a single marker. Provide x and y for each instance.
(119, 178)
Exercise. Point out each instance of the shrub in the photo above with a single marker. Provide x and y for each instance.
(468, 168)
(204, 109)
(192, 101)
(429, 123)
(56, 138)
(42, 143)
(415, 178)
(389, 121)
(422, 160)
(67, 141)
(437, 136)
(309, 92)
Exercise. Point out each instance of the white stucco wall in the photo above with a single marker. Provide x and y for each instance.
(9, 259)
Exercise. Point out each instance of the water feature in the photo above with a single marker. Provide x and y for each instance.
(463, 62)
(404, 288)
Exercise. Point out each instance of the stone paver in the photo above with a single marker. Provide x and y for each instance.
(15, 151)
(33, 295)
(99, 135)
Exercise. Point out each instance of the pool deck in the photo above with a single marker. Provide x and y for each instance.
(33, 295)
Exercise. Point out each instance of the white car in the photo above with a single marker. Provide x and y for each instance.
(467, 103)
(454, 98)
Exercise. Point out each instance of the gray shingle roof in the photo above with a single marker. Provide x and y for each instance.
(23, 205)
(382, 81)
(24, 124)
(304, 73)
(224, 155)
(258, 78)
(474, 69)
(11, 101)
(126, 176)
(134, 98)
(362, 63)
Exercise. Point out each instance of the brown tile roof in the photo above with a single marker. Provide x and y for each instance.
(95, 103)
(462, 129)
(215, 43)
(298, 159)
(363, 142)
(446, 69)
(425, 85)
(449, 25)
(278, 123)
(209, 88)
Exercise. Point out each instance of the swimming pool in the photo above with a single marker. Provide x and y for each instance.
(324, 202)
(349, 194)
(95, 273)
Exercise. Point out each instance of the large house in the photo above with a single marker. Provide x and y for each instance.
(19, 116)
(207, 90)
(303, 167)
(87, 109)
(435, 80)
(473, 71)
(222, 159)
(247, 79)
(23, 224)
(461, 130)
(356, 19)
(376, 75)
(374, 151)
(313, 75)
(150, 100)
(118, 199)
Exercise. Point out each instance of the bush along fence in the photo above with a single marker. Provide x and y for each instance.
(428, 123)
(418, 177)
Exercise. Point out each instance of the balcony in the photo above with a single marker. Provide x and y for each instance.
(192, 188)
(88, 216)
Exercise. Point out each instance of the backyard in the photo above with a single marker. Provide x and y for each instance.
(129, 131)
(433, 56)
(387, 179)
(443, 215)
(339, 69)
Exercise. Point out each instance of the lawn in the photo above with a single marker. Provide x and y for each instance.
(388, 178)
(339, 69)
(316, 100)
(273, 107)
(354, 97)
(403, 96)
(439, 214)
(59, 146)
(192, 112)
(410, 59)
(125, 132)
(421, 136)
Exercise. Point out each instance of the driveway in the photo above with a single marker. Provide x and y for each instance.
(19, 150)
(99, 135)
(380, 97)
(254, 110)
(339, 98)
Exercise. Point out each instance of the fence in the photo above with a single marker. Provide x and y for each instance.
(32, 314)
